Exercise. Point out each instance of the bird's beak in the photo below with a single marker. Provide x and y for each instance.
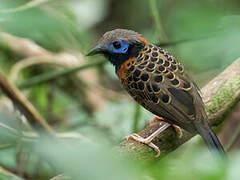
(96, 50)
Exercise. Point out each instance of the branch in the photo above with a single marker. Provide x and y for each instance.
(75, 63)
(60, 177)
(24, 106)
(21, 46)
(4, 174)
(32, 61)
(56, 74)
(219, 96)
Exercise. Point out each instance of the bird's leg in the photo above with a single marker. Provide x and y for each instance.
(176, 128)
(148, 140)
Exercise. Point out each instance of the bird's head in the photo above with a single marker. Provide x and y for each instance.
(119, 45)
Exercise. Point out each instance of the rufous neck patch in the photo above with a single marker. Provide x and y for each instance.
(142, 40)
(122, 72)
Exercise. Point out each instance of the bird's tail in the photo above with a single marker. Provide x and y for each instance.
(209, 137)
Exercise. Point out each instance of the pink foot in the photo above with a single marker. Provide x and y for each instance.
(176, 128)
(147, 141)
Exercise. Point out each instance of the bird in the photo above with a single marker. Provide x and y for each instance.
(158, 82)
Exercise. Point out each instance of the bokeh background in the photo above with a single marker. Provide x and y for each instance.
(88, 107)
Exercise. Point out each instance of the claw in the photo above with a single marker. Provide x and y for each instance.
(156, 119)
(146, 141)
(178, 130)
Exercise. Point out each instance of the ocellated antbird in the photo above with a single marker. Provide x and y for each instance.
(157, 81)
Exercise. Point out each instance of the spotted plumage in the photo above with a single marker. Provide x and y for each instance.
(157, 81)
(153, 78)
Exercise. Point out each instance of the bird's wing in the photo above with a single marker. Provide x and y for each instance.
(165, 90)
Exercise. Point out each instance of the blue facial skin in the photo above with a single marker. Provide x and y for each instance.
(122, 50)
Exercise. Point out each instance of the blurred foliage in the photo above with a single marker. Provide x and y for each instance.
(203, 35)
(96, 160)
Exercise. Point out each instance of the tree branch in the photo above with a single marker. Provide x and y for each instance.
(219, 96)
(8, 175)
(61, 177)
(75, 63)
(24, 106)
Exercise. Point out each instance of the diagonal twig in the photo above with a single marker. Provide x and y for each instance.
(57, 74)
(24, 106)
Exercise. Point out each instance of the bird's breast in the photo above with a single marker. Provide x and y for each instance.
(125, 68)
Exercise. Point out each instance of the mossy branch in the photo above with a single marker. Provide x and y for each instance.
(219, 96)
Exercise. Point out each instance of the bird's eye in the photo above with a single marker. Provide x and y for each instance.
(117, 44)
